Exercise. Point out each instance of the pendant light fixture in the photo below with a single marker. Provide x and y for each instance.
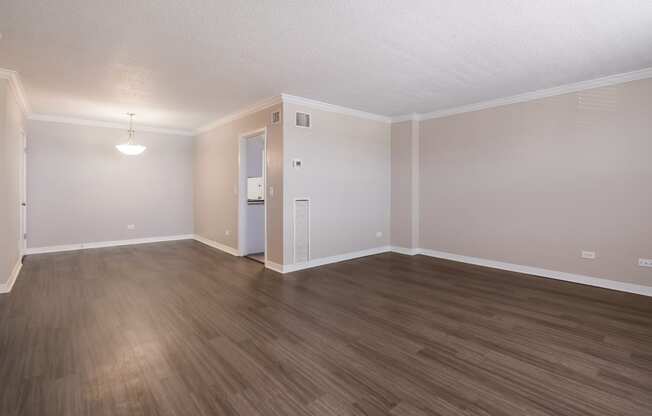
(131, 148)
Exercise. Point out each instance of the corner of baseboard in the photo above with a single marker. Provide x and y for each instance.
(322, 261)
(6, 287)
(275, 267)
(222, 247)
(405, 250)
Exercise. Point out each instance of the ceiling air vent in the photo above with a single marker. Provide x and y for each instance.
(303, 120)
(276, 117)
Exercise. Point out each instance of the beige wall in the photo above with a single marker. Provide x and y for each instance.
(216, 181)
(402, 192)
(346, 174)
(82, 190)
(535, 183)
(11, 126)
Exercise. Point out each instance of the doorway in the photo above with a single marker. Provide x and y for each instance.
(251, 212)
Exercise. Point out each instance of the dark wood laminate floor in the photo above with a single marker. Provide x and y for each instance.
(182, 329)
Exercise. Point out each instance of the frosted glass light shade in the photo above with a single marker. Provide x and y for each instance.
(131, 149)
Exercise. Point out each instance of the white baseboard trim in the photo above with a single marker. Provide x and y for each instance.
(274, 266)
(101, 244)
(215, 244)
(6, 287)
(536, 271)
(289, 268)
(405, 250)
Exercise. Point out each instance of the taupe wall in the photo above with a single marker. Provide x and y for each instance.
(346, 174)
(11, 126)
(402, 192)
(535, 183)
(81, 189)
(216, 181)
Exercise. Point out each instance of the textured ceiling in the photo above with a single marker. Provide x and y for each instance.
(184, 63)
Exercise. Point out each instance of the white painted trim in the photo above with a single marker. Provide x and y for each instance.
(229, 250)
(16, 85)
(289, 268)
(251, 109)
(274, 266)
(6, 287)
(406, 117)
(106, 124)
(404, 250)
(536, 271)
(102, 244)
(533, 95)
(306, 102)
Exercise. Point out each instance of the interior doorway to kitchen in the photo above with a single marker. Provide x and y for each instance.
(252, 196)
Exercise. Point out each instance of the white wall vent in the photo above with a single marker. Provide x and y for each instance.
(276, 117)
(301, 230)
(303, 120)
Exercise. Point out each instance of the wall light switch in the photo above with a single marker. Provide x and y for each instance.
(379, 234)
(588, 254)
(296, 163)
(645, 262)
(271, 191)
(131, 227)
(227, 232)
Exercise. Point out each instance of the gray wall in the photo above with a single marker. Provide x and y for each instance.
(81, 189)
(216, 181)
(346, 174)
(11, 125)
(535, 183)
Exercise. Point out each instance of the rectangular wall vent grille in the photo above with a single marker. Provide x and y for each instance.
(303, 120)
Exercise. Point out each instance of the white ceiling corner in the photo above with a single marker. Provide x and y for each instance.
(534, 95)
(107, 124)
(258, 106)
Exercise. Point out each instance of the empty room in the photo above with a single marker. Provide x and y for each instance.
(326, 208)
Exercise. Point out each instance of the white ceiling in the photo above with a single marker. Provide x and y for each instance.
(184, 63)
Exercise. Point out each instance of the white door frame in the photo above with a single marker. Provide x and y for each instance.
(242, 188)
(22, 207)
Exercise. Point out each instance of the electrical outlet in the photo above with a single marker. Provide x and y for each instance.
(227, 232)
(379, 234)
(588, 254)
(645, 262)
(131, 227)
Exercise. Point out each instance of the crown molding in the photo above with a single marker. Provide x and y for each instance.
(406, 117)
(251, 109)
(533, 95)
(105, 124)
(291, 99)
(16, 86)
(319, 105)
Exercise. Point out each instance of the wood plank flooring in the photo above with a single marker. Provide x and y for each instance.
(182, 329)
